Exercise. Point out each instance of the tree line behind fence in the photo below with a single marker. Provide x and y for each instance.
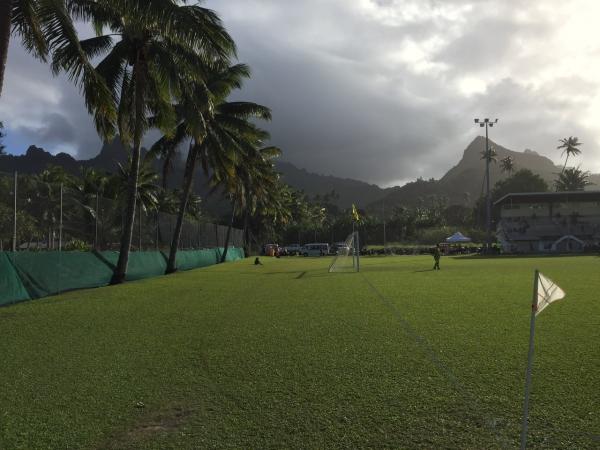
(47, 213)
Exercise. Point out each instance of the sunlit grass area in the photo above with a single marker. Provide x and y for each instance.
(287, 355)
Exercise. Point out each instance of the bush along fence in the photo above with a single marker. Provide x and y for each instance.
(32, 275)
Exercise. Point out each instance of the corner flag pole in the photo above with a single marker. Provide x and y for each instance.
(534, 305)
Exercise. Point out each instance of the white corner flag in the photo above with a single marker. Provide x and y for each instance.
(545, 291)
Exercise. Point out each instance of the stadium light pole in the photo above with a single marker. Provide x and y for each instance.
(488, 201)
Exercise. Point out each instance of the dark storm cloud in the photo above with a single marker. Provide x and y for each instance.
(56, 129)
(335, 110)
(380, 90)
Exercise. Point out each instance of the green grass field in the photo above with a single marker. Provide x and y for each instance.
(286, 355)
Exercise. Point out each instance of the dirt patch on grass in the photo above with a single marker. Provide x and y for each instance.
(149, 425)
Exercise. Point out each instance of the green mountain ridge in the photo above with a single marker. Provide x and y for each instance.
(462, 184)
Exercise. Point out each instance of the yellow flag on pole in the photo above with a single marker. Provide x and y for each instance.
(355, 215)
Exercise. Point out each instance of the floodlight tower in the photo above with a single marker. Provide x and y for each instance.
(488, 201)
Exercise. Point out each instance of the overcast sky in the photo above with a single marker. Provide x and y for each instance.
(379, 90)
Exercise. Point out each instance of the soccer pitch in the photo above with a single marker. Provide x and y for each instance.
(286, 355)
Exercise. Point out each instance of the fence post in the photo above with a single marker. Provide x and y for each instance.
(96, 223)
(14, 246)
(60, 222)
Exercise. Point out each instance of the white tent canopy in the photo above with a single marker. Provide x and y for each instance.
(457, 237)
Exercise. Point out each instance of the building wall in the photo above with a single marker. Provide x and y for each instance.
(589, 210)
(535, 227)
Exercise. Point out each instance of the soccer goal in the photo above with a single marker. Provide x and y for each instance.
(347, 258)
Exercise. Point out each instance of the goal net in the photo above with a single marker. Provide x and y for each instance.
(347, 258)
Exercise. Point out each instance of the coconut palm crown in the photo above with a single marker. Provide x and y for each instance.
(569, 148)
(572, 179)
(507, 165)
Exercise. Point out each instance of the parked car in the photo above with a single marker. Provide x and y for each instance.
(340, 247)
(293, 249)
(319, 249)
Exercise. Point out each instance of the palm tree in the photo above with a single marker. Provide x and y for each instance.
(45, 27)
(166, 149)
(194, 207)
(507, 165)
(274, 210)
(5, 24)
(214, 128)
(569, 147)
(85, 193)
(166, 203)
(163, 48)
(48, 185)
(253, 182)
(490, 155)
(27, 20)
(572, 179)
(147, 190)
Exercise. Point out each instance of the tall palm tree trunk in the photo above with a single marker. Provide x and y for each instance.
(565, 166)
(228, 235)
(5, 19)
(134, 171)
(188, 179)
(165, 171)
(129, 217)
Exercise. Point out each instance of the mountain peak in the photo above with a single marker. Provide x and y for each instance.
(36, 152)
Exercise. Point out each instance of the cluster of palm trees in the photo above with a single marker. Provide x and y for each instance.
(507, 164)
(571, 178)
(160, 64)
(91, 216)
(568, 179)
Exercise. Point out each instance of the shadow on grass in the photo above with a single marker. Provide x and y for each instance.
(528, 256)
(413, 268)
(292, 272)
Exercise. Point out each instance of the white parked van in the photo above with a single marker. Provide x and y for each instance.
(315, 249)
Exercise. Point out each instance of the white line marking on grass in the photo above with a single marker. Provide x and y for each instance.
(488, 420)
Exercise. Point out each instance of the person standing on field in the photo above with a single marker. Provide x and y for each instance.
(436, 257)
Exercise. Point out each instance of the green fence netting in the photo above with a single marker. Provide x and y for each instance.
(141, 264)
(11, 288)
(28, 275)
(233, 253)
(50, 273)
(194, 259)
(239, 254)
